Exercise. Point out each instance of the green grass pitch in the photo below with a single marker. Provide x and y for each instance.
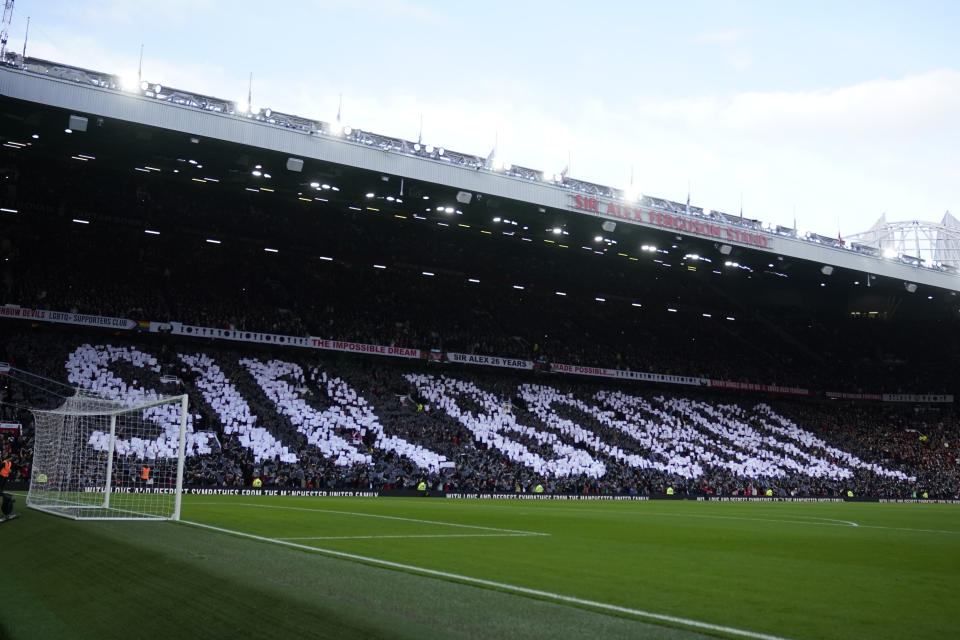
(419, 568)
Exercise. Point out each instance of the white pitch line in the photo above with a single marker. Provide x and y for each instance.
(834, 523)
(421, 535)
(546, 595)
(849, 522)
(846, 523)
(376, 515)
(873, 526)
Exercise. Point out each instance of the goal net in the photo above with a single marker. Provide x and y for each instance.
(99, 458)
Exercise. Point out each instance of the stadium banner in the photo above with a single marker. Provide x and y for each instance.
(765, 388)
(691, 225)
(490, 361)
(9, 427)
(179, 329)
(941, 398)
(620, 374)
(63, 317)
(359, 347)
(841, 395)
(932, 398)
(239, 491)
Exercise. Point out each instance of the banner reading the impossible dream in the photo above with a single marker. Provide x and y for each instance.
(62, 317)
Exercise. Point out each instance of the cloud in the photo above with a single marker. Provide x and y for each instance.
(408, 9)
(923, 104)
(728, 36)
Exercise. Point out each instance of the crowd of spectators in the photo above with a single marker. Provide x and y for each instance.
(360, 423)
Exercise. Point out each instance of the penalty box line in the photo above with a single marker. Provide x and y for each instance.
(501, 586)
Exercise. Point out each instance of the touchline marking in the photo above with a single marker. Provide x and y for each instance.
(546, 595)
(375, 515)
(421, 535)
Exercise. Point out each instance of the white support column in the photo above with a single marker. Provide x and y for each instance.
(109, 481)
(184, 406)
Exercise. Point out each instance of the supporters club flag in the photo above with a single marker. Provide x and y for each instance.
(143, 325)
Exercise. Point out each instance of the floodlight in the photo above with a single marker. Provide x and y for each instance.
(429, 148)
(347, 131)
(826, 270)
(267, 113)
(889, 253)
(144, 86)
(157, 88)
(440, 151)
(600, 239)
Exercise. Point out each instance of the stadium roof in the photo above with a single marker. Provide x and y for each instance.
(208, 139)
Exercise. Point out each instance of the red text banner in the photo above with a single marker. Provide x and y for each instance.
(672, 221)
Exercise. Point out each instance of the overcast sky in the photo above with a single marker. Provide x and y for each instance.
(832, 112)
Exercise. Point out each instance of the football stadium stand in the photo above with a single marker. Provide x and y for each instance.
(368, 323)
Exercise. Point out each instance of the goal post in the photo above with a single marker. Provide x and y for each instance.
(98, 458)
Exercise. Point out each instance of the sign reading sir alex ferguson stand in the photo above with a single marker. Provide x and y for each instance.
(672, 221)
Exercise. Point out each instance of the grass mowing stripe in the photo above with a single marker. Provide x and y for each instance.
(835, 522)
(414, 535)
(639, 613)
(377, 515)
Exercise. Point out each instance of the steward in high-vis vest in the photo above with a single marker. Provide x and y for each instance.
(422, 486)
(538, 488)
(144, 473)
(669, 491)
(5, 468)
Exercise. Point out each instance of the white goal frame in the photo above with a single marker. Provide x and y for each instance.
(63, 455)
